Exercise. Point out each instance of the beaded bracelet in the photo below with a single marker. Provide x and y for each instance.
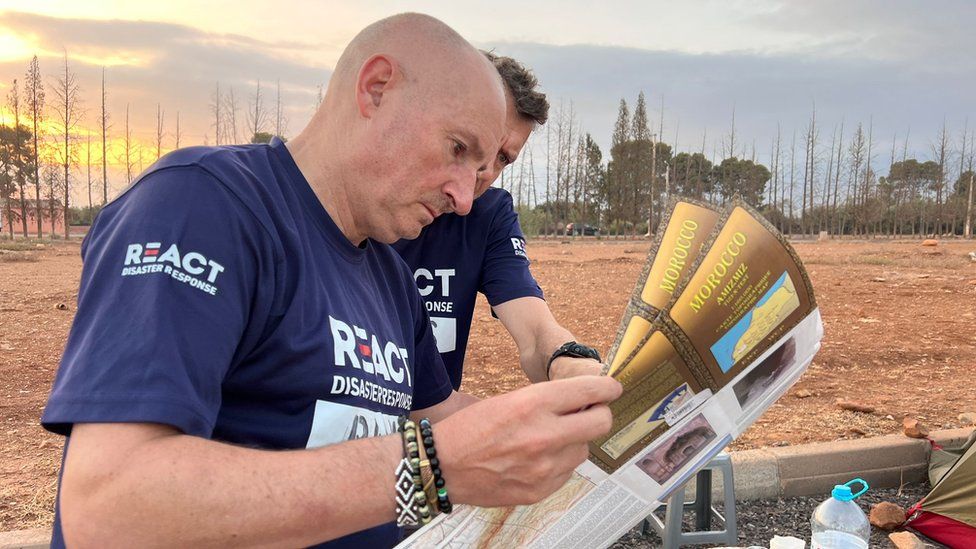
(427, 479)
(427, 438)
(412, 508)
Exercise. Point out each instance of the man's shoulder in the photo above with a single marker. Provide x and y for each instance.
(493, 200)
(236, 172)
(211, 181)
(226, 163)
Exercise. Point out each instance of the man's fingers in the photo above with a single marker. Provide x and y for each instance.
(586, 425)
(573, 394)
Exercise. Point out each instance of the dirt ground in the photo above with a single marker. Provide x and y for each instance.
(899, 322)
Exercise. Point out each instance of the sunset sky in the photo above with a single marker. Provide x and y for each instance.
(904, 65)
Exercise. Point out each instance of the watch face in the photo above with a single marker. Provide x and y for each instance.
(581, 351)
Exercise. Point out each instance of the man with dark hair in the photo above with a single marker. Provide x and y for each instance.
(456, 257)
(247, 345)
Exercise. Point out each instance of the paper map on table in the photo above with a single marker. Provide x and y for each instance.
(721, 323)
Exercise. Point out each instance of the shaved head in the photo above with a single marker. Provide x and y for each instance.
(413, 113)
(427, 52)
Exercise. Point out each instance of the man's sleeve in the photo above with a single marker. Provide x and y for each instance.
(505, 272)
(169, 296)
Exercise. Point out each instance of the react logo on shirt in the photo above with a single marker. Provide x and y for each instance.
(187, 268)
(384, 362)
(519, 246)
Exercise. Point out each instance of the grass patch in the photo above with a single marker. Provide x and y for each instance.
(872, 260)
(18, 245)
(820, 261)
(15, 257)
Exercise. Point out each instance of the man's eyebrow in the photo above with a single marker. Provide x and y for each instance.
(474, 144)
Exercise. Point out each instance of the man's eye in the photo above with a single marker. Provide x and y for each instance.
(503, 159)
(459, 148)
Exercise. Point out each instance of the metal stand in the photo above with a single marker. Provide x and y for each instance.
(670, 528)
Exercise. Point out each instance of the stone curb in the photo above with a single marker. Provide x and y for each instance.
(36, 538)
(813, 469)
(809, 469)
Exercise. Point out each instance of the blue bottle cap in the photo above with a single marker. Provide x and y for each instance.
(843, 492)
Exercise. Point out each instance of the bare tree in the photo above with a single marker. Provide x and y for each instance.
(792, 178)
(699, 180)
(68, 108)
(16, 160)
(257, 115)
(674, 151)
(216, 108)
(868, 172)
(127, 149)
(160, 116)
(179, 134)
(732, 135)
(281, 122)
(230, 116)
(809, 170)
(34, 91)
(856, 152)
(825, 200)
(840, 162)
(966, 141)
(968, 226)
(88, 164)
(54, 185)
(548, 182)
(103, 122)
(942, 153)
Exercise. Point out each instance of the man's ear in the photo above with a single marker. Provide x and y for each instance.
(376, 77)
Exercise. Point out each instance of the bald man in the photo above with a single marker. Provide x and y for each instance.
(458, 256)
(245, 338)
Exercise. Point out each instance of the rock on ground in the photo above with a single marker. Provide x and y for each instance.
(886, 516)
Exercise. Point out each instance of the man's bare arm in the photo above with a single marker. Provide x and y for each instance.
(141, 485)
(537, 335)
(147, 484)
(454, 403)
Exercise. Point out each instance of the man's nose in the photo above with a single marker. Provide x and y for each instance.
(461, 191)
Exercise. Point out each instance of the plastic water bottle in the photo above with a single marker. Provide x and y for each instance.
(839, 523)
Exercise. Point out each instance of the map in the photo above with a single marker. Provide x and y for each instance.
(774, 307)
(502, 527)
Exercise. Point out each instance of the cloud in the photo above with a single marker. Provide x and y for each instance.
(174, 65)
(896, 63)
(700, 91)
(901, 31)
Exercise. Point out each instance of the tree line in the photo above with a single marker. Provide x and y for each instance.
(814, 179)
(46, 158)
(808, 184)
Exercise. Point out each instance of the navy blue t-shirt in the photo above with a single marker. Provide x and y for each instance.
(455, 257)
(218, 296)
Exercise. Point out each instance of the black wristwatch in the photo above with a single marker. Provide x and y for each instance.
(575, 350)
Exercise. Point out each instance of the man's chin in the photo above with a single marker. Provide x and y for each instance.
(402, 233)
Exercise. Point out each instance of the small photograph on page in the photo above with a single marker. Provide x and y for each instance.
(680, 446)
(764, 375)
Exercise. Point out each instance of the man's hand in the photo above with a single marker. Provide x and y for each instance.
(567, 366)
(520, 447)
